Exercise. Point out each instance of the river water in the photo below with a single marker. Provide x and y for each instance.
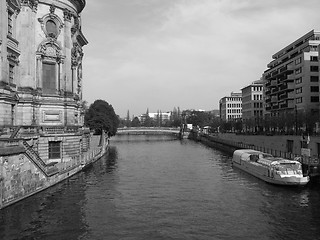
(159, 188)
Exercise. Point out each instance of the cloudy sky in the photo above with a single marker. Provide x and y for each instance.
(161, 54)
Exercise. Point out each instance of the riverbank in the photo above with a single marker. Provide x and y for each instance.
(25, 173)
(286, 146)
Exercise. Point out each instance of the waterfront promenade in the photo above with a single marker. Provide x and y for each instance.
(286, 146)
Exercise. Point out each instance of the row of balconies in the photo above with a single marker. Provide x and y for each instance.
(307, 46)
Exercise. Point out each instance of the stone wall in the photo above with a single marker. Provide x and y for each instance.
(19, 177)
(273, 144)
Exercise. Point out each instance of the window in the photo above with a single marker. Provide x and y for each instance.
(299, 100)
(298, 70)
(314, 98)
(314, 79)
(49, 78)
(313, 58)
(299, 80)
(290, 146)
(51, 28)
(12, 113)
(313, 48)
(314, 89)
(298, 60)
(11, 73)
(10, 23)
(314, 68)
(299, 90)
(54, 150)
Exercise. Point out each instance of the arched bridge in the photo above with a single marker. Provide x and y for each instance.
(148, 131)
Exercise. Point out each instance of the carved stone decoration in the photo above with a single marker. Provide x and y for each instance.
(67, 15)
(13, 58)
(14, 4)
(52, 8)
(51, 25)
(75, 26)
(76, 54)
(50, 50)
(79, 79)
(33, 4)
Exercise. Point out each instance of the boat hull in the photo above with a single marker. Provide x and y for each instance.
(264, 173)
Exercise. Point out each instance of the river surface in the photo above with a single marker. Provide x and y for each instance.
(158, 188)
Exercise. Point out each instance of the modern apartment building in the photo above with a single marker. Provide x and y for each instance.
(230, 107)
(252, 100)
(292, 77)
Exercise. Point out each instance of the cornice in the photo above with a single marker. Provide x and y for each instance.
(80, 4)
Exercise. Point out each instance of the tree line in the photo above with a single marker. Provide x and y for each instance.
(101, 116)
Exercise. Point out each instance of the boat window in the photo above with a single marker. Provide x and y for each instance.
(254, 157)
(285, 167)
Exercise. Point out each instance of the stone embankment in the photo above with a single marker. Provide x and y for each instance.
(286, 146)
(23, 173)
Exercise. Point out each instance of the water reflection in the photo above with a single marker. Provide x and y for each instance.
(165, 190)
(50, 214)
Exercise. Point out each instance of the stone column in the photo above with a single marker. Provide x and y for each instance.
(67, 51)
(74, 79)
(60, 76)
(1, 182)
(39, 71)
(26, 36)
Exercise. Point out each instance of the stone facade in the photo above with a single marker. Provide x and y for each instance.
(42, 138)
(41, 63)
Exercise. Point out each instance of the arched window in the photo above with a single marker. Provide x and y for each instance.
(51, 28)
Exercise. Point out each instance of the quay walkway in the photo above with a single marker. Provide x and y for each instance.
(285, 146)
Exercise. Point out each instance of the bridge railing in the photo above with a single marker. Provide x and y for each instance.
(148, 128)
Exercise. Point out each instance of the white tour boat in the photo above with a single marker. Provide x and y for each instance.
(268, 168)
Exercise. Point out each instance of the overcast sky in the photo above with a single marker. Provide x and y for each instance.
(161, 54)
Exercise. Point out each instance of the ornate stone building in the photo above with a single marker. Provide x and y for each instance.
(41, 63)
(42, 139)
(41, 74)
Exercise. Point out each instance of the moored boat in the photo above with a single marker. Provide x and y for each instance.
(268, 168)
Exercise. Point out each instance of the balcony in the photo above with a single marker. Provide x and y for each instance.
(290, 85)
(290, 77)
(290, 103)
(286, 96)
(273, 82)
(285, 105)
(290, 67)
(274, 99)
(283, 96)
(283, 87)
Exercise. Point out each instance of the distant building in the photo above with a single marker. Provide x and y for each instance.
(292, 77)
(252, 101)
(231, 107)
(159, 116)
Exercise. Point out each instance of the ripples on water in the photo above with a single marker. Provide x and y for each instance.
(159, 188)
